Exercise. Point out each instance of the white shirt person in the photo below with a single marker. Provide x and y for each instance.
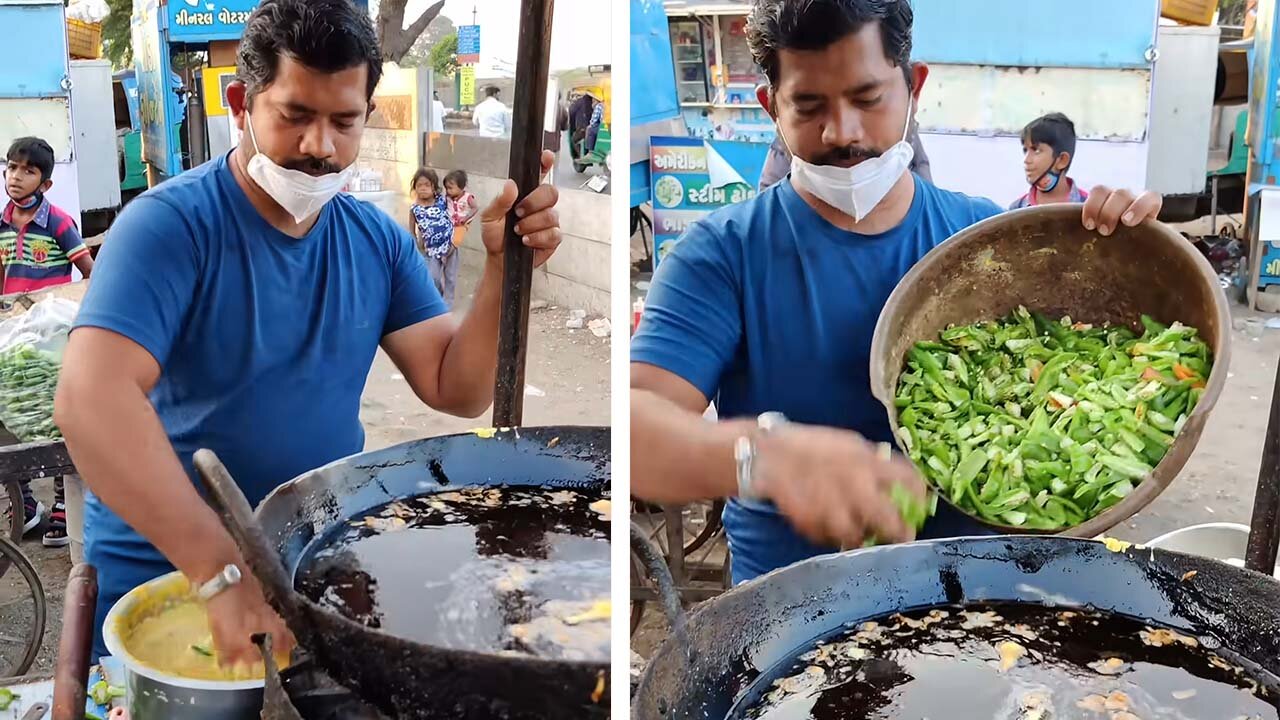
(492, 117)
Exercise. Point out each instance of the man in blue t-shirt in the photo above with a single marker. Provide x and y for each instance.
(769, 306)
(239, 306)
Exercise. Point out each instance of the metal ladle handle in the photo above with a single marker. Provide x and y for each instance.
(233, 509)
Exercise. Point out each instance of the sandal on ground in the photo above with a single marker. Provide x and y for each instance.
(32, 511)
(56, 535)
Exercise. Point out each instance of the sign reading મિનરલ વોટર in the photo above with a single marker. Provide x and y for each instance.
(203, 20)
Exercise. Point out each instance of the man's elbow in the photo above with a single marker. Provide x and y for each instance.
(67, 402)
(463, 407)
(469, 408)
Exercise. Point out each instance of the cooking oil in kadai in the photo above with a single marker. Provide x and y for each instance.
(1014, 662)
(523, 571)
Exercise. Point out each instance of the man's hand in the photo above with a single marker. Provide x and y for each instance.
(236, 615)
(539, 223)
(1106, 208)
(833, 486)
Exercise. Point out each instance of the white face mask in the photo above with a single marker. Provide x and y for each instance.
(855, 191)
(300, 194)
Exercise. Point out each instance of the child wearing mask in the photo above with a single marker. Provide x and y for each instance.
(1048, 147)
(39, 244)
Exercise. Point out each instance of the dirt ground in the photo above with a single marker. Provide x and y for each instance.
(567, 382)
(1217, 484)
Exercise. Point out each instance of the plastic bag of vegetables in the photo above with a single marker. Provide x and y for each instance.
(31, 348)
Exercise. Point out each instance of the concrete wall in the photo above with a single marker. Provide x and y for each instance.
(577, 277)
(392, 142)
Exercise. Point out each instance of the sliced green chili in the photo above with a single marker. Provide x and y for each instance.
(1042, 424)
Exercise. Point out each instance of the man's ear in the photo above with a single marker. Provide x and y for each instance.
(238, 102)
(919, 75)
(766, 99)
(372, 106)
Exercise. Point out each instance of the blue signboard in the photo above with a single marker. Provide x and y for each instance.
(196, 21)
(653, 75)
(469, 44)
(1016, 33)
(205, 20)
(693, 178)
(156, 100)
(40, 67)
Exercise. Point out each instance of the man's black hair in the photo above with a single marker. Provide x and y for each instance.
(491, 91)
(33, 151)
(775, 25)
(457, 177)
(1055, 130)
(325, 35)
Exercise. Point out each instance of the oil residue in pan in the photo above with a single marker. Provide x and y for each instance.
(1011, 663)
(498, 569)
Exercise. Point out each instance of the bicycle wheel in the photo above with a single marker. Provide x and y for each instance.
(701, 523)
(23, 612)
(11, 507)
(638, 579)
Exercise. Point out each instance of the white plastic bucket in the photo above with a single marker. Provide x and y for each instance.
(1221, 541)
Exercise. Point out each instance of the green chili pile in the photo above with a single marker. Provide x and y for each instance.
(1043, 424)
(28, 379)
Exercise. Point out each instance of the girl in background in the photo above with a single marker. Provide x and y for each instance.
(462, 204)
(433, 232)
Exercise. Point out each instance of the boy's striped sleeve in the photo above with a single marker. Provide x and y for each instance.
(67, 235)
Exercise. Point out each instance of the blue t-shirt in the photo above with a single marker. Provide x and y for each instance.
(767, 306)
(264, 341)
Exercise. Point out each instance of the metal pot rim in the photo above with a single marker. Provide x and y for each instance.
(115, 644)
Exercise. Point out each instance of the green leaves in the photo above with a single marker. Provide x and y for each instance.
(1042, 423)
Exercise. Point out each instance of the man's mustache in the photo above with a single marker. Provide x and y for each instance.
(312, 166)
(846, 154)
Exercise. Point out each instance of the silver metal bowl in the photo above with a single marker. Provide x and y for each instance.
(156, 695)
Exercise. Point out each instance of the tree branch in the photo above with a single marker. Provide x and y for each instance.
(395, 49)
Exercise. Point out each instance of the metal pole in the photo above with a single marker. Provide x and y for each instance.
(533, 65)
(1264, 534)
(1213, 209)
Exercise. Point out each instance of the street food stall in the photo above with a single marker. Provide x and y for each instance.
(1027, 625)
(515, 621)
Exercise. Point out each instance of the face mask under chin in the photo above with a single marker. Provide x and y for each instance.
(855, 191)
(301, 195)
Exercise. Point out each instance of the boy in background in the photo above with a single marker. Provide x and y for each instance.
(39, 244)
(1048, 147)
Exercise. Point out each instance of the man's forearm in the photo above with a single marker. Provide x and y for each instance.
(120, 448)
(469, 368)
(677, 456)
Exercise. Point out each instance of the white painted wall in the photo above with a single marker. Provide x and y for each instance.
(986, 100)
(991, 167)
(577, 276)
